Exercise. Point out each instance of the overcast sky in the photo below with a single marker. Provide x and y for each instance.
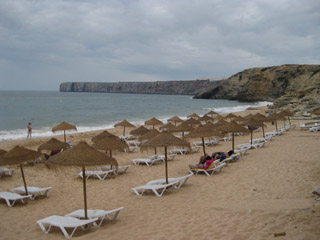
(46, 42)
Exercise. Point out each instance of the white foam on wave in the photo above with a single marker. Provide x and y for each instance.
(240, 108)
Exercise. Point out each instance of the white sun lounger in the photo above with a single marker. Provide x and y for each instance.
(33, 191)
(181, 151)
(101, 175)
(97, 213)
(11, 198)
(162, 157)
(180, 181)
(157, 189)
(6, 171)
(149, 162)
(64, 222)
(118, 170)
(215, 166)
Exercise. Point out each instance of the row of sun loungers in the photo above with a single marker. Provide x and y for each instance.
(12, 197)
(76, 220)
(104, 172)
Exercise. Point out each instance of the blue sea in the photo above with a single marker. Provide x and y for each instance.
(96, 111)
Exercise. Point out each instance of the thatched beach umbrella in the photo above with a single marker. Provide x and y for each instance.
(262, 119)
(139, 131)
(205, 118)
(211, 113)
(287, 113)
(230, 116)
(64, 126)
(193, 115)
(232, 127)
(124, 124)
(165, 140)
(202, 132)
(167, 127)
(192, 122)
(274, 117)
(53, 144)
(175, 119)
(217, 118)
(19, 155)
(149, 135)
(183, 127)
(107, 141)
(252, 124)
(153, 122)
(82, 155)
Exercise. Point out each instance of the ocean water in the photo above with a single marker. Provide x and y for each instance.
(95, 111)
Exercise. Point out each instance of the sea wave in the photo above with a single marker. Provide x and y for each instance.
(46, 131)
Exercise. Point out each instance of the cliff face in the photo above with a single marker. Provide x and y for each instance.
(159, 87)
(296, 87)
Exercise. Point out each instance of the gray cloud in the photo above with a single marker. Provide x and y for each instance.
(44, 43)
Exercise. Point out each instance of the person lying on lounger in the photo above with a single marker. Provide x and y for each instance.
(204, 163)
(222, 155)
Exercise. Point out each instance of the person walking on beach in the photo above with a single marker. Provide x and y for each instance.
(29, 130)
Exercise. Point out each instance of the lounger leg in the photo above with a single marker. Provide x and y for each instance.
(44, 229)
(65, 233)
(10, 204)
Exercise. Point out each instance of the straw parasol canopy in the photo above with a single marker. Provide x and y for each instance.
(150, 134)
(274, 117)
(192, 122)
(53, 144)
(202, 132)
(64, 126)
(211, 113)
(175, 119)
(165, 140)
(19, 155)
(153, 122)
(183, 127)
(193, 115)
(230, 116)
(124, 124)
(239, 119)
(107, 141)
(232, 127)
(205, 118)
(139, 131)
(167, 127)
(82, 155)
(217, 118)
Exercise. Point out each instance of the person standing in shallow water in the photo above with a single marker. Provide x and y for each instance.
(29, 130)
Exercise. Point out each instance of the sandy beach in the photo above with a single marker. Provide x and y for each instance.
(267, 191)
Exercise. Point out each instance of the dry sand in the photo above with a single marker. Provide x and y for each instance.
(267, 191)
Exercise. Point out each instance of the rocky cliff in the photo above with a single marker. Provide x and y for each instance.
(160, 87)
(296, 87)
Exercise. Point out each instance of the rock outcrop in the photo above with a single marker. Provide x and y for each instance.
(191, 87)
(296, 87)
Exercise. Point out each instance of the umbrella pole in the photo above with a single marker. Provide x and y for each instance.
(251, 135)
(110, 153)
(289, 120)
(276, 125)
(64, 133)
(166, 161)
(84, 193)
(24, 180)
(232, 141)
(155, 150)
(204, 148)
(263, 130)
(124, 131)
